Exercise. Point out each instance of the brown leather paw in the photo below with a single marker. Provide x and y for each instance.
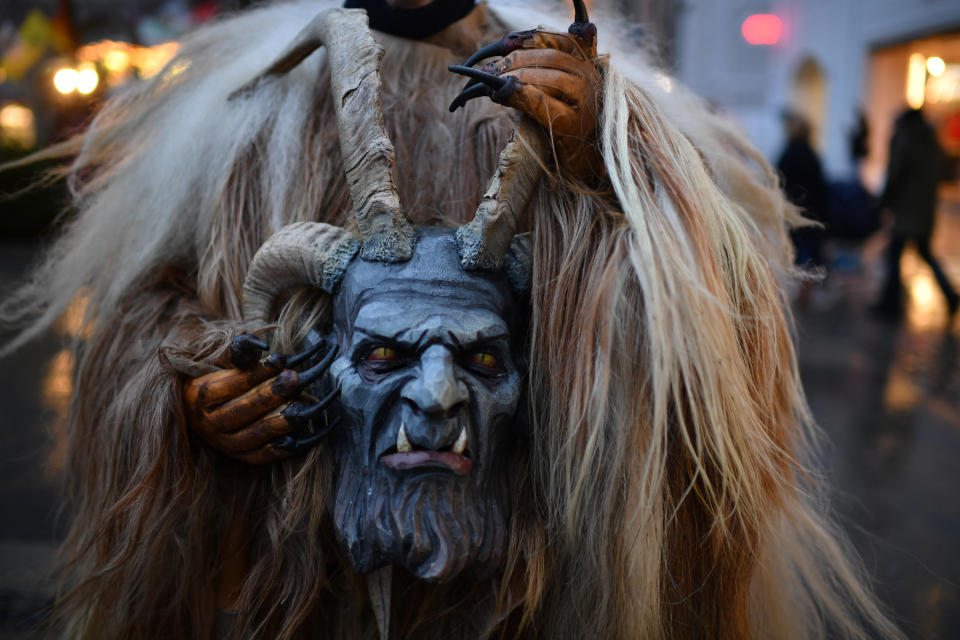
(252, 412)
(552, 78)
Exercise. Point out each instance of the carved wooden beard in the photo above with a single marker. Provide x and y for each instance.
(433, 526)
(429, 385)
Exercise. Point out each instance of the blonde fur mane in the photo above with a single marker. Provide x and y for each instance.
(666, 490)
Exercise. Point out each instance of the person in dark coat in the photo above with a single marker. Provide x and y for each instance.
(915, 168)
(805, 186)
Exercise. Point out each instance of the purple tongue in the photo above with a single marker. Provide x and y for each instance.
(457, 463)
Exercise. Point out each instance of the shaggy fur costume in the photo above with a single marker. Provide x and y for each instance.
(664, 491)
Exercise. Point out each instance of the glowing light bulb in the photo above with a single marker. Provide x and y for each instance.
(87, 79)
(116, 60)
(65, 80)
(18, 126)
(936, 66)
(916, 80)
(15, 116)
(762, 28)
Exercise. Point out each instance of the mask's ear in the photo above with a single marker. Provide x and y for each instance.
(518, 264)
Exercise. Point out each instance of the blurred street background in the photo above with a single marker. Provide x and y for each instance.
(857, 102)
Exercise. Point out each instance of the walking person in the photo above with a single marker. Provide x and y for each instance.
(915, 168)
(804, 184)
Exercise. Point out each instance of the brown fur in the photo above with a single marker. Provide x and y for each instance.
(663, 492)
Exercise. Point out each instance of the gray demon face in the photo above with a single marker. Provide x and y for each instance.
(430, 385)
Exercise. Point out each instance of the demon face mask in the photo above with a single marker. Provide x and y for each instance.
(430, 381)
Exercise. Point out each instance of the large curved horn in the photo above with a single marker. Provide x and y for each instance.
(300, 254)
(354, 61)
(484, 241)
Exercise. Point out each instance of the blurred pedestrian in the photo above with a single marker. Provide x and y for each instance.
(915, 168)
(804, 184)
(852, 212)
(859, 139)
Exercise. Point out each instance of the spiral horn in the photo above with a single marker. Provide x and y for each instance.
(301, 254)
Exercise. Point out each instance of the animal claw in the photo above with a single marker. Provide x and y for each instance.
(478, 90)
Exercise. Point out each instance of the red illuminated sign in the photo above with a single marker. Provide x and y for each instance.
(762, 28)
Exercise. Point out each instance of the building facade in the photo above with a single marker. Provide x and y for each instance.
(831, 59)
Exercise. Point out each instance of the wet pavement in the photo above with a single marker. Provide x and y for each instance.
(886, 394)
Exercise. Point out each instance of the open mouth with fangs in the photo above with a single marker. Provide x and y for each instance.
(405, 456)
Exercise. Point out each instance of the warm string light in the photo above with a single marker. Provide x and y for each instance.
(936, 66)
(116, 59)
(18, 126)
(916, 80)
(87, 79)
(65, 80)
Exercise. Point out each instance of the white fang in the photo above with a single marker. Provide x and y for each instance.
(461, 444)
(403, 445)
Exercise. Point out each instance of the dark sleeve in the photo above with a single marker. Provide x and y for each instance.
(896, 167)
(816, 201)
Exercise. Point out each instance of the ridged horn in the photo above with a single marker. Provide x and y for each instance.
(484, 241)
(354, 62)
(301, 254)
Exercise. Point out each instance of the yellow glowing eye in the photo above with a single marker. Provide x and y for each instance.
(484, 359)
(381, 354)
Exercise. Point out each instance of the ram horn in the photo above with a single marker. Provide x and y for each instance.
(301, 254)
(368, 157)
(484, 241)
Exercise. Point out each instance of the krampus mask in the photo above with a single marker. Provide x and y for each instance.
(428, 325)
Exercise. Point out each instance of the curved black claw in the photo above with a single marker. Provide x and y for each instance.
(503, 86)
(580, 12)
(306, 354)
(502, 47)
(308, 376)
(245, 350)
(297, 443)
(582, 27)
(489, 79)
(498, 48)
(478, 90)
(299, 414)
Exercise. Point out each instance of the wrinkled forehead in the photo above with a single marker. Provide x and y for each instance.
(428, 289)
(421, 320)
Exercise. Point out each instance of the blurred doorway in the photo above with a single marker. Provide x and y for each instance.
(919, 73)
